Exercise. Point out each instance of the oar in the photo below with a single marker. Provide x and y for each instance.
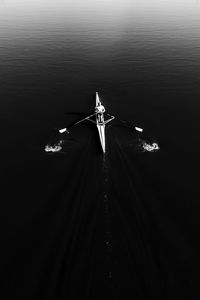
(84, 119)
(127, 124)
(78, 122)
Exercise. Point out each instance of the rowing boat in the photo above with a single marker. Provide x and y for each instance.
(100, 125)
(98, 119)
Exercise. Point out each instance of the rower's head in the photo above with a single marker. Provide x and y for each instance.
(100, 108)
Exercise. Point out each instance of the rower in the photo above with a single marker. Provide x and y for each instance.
(100, 109)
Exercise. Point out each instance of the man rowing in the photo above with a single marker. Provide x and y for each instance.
(99, 110)
(98, 119)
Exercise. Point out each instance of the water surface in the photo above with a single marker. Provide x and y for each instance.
(144, 59)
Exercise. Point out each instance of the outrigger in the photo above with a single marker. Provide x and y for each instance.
(98, 118)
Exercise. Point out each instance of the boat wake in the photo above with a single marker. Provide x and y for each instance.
(58, 146)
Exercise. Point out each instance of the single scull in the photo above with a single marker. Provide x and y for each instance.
(98, 118)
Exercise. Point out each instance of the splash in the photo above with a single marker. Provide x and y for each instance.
(149, 147)
(57, 147)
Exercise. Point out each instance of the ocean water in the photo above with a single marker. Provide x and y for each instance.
(143, 57)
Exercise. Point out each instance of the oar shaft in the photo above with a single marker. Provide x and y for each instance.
(84, 119)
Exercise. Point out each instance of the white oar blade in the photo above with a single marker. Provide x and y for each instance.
(138, 129)
(63, 130)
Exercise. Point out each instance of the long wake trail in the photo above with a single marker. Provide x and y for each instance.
(108, 242)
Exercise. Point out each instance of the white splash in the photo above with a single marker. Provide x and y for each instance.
(150, 147)
(54, 148)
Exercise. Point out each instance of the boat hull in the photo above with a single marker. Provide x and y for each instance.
(101, 130)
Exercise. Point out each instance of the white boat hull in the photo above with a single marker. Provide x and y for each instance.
(101, 130)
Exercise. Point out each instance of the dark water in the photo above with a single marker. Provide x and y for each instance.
(144, 59)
